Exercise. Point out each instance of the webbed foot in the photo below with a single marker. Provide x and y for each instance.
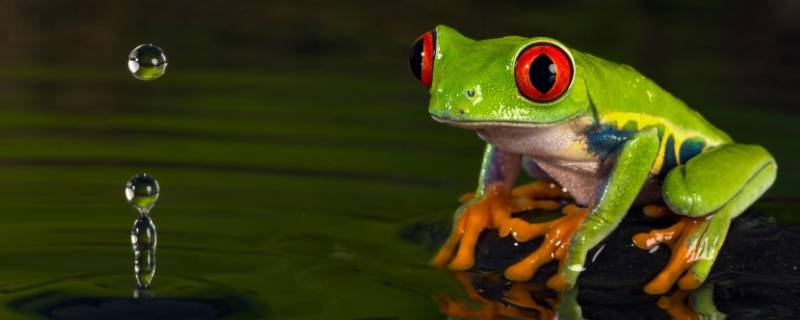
(493, 211)
(472, 218)
(690, 240)
(544, 195)
(558, 234)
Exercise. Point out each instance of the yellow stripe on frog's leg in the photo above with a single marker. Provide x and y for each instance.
(623, 120)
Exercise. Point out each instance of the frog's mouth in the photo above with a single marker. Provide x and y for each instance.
(479, 124)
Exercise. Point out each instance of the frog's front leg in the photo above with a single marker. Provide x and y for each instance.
(571, 239)
(491, 206)
(708, 191)
(488, 208)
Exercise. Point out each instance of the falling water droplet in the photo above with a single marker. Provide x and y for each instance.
(141, 191)
(147, 62)
(143, 241)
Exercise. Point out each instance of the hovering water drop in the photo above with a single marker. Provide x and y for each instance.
(141, 191)
(147, 62)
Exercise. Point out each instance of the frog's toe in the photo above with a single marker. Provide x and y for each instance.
(493, 211)
(540, 190)
(523, 230)
(459, 249)
(475, 221)
(688, 241)
(478, 215)
(542, 195)
(554, 247)
(559, 282)
(657, 211)
(655, 237)
(445, 253)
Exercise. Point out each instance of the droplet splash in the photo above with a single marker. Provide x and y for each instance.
(147, 62)
(142, 191)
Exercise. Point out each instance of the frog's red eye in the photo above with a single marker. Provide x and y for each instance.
(543, 72)
(421, 58)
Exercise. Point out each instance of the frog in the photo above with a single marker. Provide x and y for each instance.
(592, 132)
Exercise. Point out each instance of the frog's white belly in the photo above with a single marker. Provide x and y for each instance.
(560, 151)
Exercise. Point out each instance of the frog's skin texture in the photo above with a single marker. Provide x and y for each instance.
(613, 139)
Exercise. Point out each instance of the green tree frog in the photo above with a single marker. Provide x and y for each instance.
(595, 130)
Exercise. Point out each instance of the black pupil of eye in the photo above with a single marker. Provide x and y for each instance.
(415, 58)
(543, 73)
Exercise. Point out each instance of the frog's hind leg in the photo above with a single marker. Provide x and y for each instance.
(708, 192)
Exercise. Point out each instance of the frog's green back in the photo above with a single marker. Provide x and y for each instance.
(623, 98)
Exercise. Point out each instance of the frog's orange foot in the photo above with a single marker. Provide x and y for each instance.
(480, 214)
(657, 211)
(493, 211)
(686, 240)
(558, 234)
(543, 195)
(540, 189)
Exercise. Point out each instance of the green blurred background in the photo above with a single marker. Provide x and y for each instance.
(292, 142)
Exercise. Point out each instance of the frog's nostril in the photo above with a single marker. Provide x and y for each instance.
(470, 93)
(461, 111)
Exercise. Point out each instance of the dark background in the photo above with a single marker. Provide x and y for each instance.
(737, 62)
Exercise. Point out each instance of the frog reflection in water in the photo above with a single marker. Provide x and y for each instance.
(611, 137)
(497, 299)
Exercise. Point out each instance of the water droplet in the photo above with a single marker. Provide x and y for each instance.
(143, 234)
(142, 191)
(143, 241)
(147, 62)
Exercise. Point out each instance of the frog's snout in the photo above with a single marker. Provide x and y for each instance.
(457, 104)
(469, 97)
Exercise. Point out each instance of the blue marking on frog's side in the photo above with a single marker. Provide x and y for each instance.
(604, 139)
